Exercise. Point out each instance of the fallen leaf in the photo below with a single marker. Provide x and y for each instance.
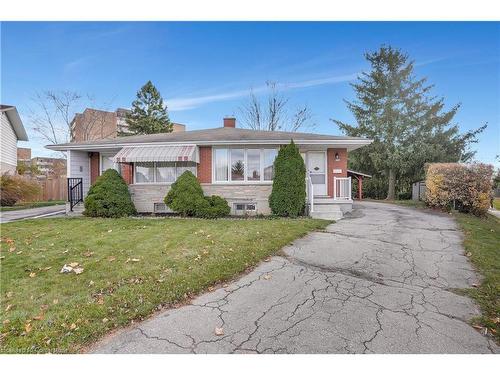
(55, 301)
(219, 331)
(72, 326)
(225, 285)
(27, 327)
(469, 254)
(6, 321)
(9, 294)
(32, 274)
(38, 317)
(88, 254)
(111, 259)
(211, 288)
(19, 252)
(105, 320)
(477, 326)
(47, 268)
(48, 341)
(73, 264)
(8, 307)
(267, 277)
(12, 249)
(78, 270)
(267, 259)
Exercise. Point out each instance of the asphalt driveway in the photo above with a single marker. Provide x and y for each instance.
(32, 213)
(378, 282)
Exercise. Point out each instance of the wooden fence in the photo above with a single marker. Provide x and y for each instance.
(53, 189)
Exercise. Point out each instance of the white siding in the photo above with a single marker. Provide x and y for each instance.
(79, 166)
(8, 145)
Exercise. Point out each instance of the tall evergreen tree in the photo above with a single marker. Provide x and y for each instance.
(149, 115)
(409, 126)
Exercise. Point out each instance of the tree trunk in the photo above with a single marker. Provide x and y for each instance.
(392, 185)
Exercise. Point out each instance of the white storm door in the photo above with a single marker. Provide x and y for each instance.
(316, 166)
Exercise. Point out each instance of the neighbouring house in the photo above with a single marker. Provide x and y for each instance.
(12, 130)
(24, 155)
(234, 163)
(53, 167)
(94, 124)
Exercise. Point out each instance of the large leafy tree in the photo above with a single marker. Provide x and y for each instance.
(149, 114)
(409, 126)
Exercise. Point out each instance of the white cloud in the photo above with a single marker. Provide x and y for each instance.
(182, 104)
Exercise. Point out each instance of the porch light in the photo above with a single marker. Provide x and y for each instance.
(337, 157)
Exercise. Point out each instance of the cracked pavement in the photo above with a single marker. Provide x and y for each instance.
(379, 281)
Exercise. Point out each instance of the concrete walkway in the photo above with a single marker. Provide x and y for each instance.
(31, 213)
(378, 282)
(494, 212)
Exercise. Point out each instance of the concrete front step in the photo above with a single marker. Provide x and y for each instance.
(331, 215)
(321, 207)
(77, 210)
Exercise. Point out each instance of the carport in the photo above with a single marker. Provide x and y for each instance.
(358, 176)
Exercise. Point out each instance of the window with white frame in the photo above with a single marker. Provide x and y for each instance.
(161, 172)
(244, 164)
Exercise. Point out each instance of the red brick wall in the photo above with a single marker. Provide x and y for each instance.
(94, 166)
(204, 168)
(127, 172)
(332, 164)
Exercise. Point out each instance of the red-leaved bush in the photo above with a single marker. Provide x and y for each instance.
(465, 187)
(16, 188)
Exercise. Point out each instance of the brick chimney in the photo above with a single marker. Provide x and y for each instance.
(229, 122)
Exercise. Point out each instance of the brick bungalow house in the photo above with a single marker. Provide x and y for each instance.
(234, 163)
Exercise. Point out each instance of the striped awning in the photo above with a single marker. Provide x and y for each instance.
(157, 153)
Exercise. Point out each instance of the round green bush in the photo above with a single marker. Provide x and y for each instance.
(213, 207)
(109, 197)
(186, 198)
(185, 195)
(288, 196)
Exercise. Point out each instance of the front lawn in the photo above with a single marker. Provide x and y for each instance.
(131, 267)
(482, 241)
(25, 205)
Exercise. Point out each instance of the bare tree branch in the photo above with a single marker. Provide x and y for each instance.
(53, 112)
(276, 115)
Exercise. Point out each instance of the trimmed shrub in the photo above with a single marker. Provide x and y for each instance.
(109, 197)
(186, 198)
(288, 196)
(213, 207)
(185, 195)
(15, 188)
(465, 187)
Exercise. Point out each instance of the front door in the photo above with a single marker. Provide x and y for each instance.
(316, 166)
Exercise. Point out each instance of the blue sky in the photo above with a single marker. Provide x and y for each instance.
(205, 70)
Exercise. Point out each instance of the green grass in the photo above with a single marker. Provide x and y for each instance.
(407, 203)
(132, 267)
(482, 241)
(25, 205)
(496, 203)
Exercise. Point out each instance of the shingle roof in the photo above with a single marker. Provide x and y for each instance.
(216, 135)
